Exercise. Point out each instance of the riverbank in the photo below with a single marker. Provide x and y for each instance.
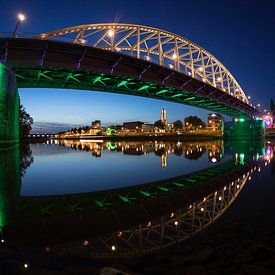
(181, 137)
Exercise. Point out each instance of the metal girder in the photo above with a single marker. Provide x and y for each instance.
(32, 77)
(146, 42)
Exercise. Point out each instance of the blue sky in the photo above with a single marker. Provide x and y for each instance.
(82, 107)
(239, 33)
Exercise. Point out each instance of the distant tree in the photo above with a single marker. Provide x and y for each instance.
(87, 128)
(195, 121)
(79, 130)
(159, 124)
(25, 122)
(178, 124)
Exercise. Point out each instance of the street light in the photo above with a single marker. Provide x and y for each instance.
(111, 33)
(20, 18)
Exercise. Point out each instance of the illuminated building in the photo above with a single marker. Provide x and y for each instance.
(215, 122)
(133, 126)
(96, 124)
(147, 128)
(95, 127)
(163, 116)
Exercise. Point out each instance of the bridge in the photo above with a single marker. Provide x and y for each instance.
(120, 58)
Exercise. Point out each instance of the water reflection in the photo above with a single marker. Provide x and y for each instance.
(149, 216)
(191, 150)
(26, 158)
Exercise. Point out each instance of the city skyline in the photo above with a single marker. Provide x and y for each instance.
(89, 107)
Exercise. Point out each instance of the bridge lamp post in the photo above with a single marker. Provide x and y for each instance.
(175, 58)
(111, 34)
(20, 18)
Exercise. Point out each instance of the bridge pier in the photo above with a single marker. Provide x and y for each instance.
(244, 129)
(9, 106)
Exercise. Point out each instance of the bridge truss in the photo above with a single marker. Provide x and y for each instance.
(154, 45)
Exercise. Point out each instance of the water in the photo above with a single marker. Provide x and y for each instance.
(108, 191)
(109, 165)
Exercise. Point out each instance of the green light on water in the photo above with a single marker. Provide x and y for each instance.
(111, 145)
(163, 188)
(242, 120)
(263, 151)
(242, 159)
(146, 194)
(257, 156)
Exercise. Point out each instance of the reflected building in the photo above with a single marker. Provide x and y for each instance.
(191, 150)
(215, 153)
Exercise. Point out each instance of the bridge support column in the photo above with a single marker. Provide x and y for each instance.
(245, 129)
(9, 106)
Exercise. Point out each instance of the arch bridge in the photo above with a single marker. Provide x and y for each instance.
(121, 58)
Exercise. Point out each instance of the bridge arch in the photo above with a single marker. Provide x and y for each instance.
(154, 45)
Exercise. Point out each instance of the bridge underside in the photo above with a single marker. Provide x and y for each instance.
(75, 79)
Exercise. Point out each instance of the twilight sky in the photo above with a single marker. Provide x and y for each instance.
(239, 33)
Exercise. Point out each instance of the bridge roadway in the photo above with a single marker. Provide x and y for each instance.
(52, 64)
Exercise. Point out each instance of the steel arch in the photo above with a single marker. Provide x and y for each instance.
(155, 45)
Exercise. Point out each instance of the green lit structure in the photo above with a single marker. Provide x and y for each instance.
(244, 128)
(9, 106)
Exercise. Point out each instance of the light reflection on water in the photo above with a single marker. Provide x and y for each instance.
(66, 167)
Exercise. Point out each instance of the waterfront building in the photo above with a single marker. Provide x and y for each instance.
(96, 124)
(215, 122)
(133, 126)
(147, 128)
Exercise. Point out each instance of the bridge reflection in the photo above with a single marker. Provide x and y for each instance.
(133, 220)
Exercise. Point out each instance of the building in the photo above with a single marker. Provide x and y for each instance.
(95, 127)
(133, 126)
(215, 122)
(147, 128)
(96, 124)
(163, 116)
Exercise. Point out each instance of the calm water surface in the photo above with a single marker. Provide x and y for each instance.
(66, 167)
